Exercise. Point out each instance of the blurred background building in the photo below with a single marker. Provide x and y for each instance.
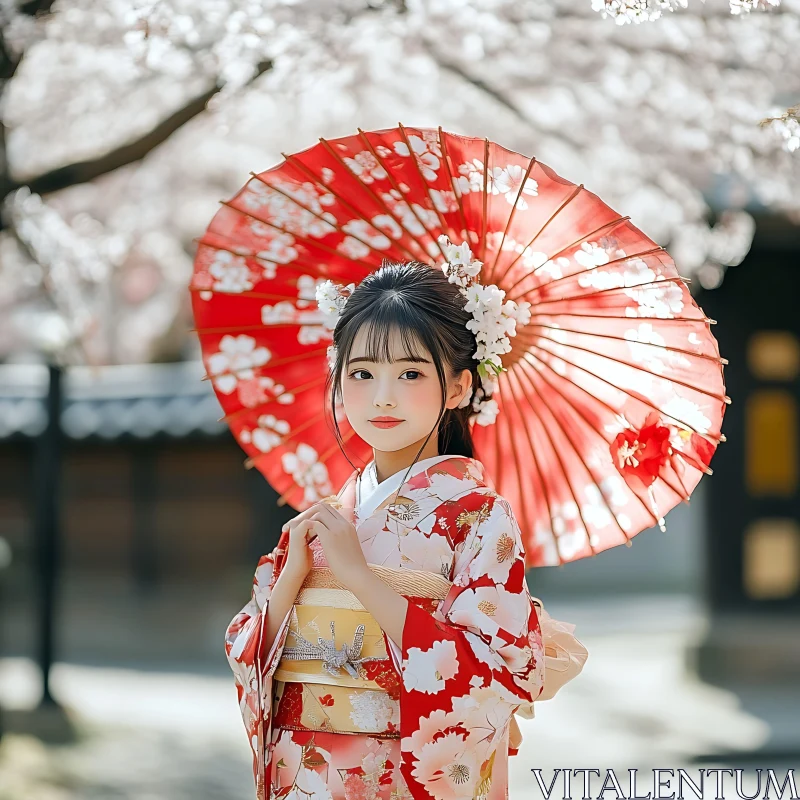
(129, 526)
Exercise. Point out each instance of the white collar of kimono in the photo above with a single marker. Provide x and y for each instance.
(370, 494)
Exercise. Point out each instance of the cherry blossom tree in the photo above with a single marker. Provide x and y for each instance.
(126, 122)
(625, 11)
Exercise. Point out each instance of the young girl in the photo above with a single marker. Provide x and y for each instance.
(390, 637)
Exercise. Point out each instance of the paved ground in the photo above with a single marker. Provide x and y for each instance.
(175, 734)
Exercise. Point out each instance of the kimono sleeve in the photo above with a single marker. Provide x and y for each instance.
(242, 633)
(244, 648)
(467, 667)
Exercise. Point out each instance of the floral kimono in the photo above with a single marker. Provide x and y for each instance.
(440, 726)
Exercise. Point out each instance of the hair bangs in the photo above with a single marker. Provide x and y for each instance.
(379, 324)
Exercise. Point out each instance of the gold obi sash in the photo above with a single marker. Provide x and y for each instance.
(334, 649)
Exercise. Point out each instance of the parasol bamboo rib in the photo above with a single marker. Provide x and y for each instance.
(641, 399)
(397, 218)
(252, 295)
(526, 369)
(297, 164)
(560, 423)
(615, 316)
(299, 265)
(452, 182)
(528, 432)
(242, 328)
(668, 348)
(685, 493)
(310, 243)
(688, 461)
(509, 220)
(275, 362)
(284, 498)
(396, 187)
(530, 373)
(638, 368)
(564, 473)
(640, 256)
(250, 252)
(578, 297)
(544, 492)
(518, 464)
(541, 230)
(253, 460)
(485, 215)
(299, 390)
(611, 224)
(524, 363)
(630, 488)
(572, 275)
(442, 222)
(322, 219)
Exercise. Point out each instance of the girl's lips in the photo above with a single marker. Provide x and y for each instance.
(385, 423)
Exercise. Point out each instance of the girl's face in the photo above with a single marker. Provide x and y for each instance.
(400, 389)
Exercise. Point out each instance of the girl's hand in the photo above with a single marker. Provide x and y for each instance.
(339, 540)
(300, 559)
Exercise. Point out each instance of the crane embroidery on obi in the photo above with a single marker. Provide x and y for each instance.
(347, 657)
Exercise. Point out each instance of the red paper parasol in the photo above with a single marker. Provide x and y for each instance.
(611, 405)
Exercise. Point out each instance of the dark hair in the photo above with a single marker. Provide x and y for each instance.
(419, 302)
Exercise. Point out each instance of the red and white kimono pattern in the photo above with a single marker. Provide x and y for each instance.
(464, 667)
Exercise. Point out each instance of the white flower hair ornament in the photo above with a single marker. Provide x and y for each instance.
(493, 321)
(331, 301)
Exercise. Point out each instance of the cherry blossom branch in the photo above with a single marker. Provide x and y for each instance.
(84, 171)
(787, 126)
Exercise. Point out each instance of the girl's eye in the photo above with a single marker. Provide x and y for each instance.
(356, 371)
(354, 374)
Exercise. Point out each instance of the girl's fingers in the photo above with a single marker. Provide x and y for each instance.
(301, 529)
(329, 516)
(327, 512)
(307, 530)
(303, 515)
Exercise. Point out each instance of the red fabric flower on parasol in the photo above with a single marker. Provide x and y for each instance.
(613, 396)
(640, 456)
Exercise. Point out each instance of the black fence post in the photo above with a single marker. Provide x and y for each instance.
(47, 522)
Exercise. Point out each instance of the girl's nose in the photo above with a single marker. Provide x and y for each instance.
(383, 396)
(384, 402)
